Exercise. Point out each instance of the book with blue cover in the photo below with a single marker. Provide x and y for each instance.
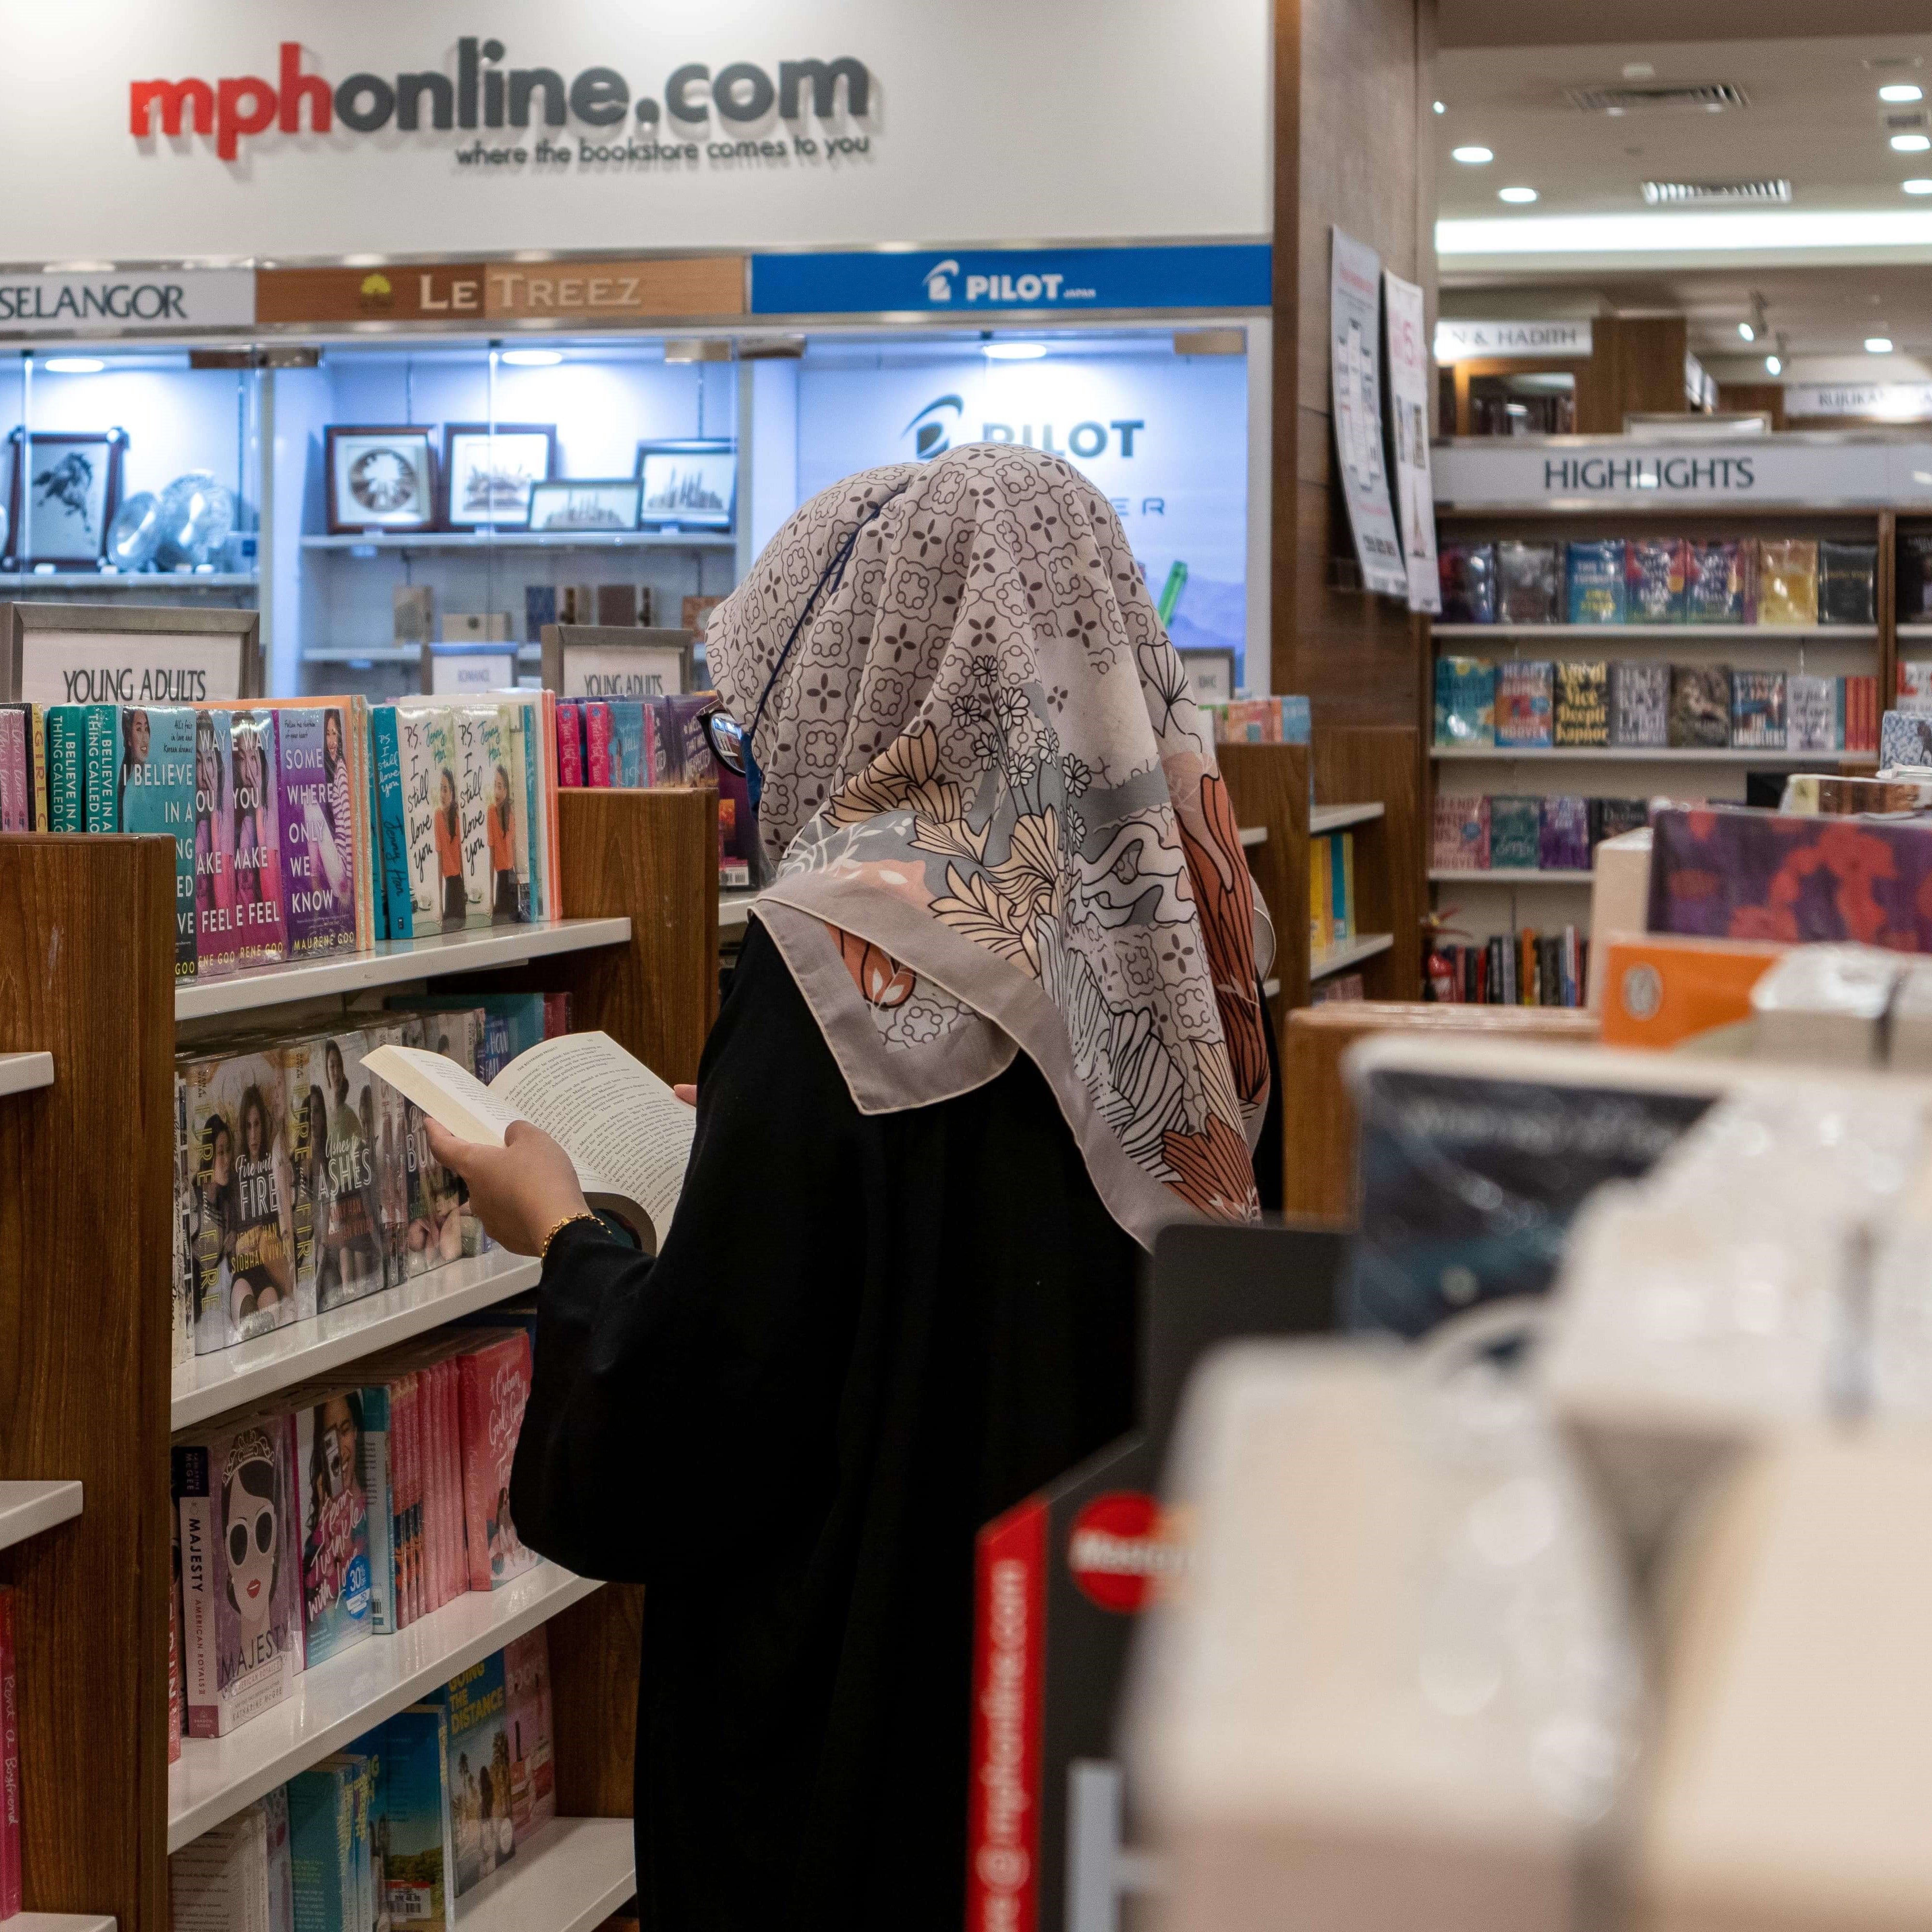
(413, 1802)
(1516, 833)
(1465, 701)
(1595, 574)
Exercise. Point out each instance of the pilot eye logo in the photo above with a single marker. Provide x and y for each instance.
(939, 281)
(950, 286)
(933, 429)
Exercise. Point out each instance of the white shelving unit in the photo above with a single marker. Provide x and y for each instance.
(1644, 755)
(492, 540)
(22, 1073)
(28, 1508)
(1339, 958)
(1336, 817)
(59, 1921)
(97, 583)
(1684, 633)
(339, 1700)
(231, 1378)
(569, 1877)
(1527, 877)
(394, 963)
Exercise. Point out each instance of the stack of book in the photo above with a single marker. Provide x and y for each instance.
(1769, 581)
(1331, 891)
(399, 1826)
(1487, 832)
(1534, 703)
(1523, 968)
(344, 1512)
(1261, 720)
(302, 1182)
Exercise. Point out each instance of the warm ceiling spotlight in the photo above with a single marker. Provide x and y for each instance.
(1472, 157)
(1516, 194)
(1878, 345)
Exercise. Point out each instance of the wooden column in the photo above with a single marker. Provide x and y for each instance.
(87, 973)
(1382, 762)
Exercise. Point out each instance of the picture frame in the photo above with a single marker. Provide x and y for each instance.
(64, 488)
(587, 505)
(690, 482)
(1210, 674)
(379, 476)
(489, 471)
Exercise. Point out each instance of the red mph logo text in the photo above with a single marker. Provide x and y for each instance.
(484, 94)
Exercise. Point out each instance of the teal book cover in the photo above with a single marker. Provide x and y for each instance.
(1516, 833)
(102, 740)
(416, 1825)
(67, 768)
(392, 837)
(322, 1844)
(478, 1758)
(155, 788)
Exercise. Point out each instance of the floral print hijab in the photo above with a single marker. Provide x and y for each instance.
(998, 822)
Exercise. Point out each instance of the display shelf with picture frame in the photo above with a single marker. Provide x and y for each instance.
(64, 488)
(490, 470)
(1210, 674)
(601, 505)
(691, 482)
(379, 476)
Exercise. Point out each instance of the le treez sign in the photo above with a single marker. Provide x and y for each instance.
(1614, 472)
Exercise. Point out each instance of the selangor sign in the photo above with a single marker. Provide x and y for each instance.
(126, 301)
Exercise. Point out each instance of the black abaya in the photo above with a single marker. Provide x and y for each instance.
(864, 1336)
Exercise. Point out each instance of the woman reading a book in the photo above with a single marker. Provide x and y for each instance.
(998, 1019)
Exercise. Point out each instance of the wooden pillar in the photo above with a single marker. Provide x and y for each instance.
(1353, 149)
(87, 973)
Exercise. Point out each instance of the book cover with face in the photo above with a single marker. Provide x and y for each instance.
(475, 783)
(351, 1261)
(496, 1385)
(259, 909)
(157, 788)
(503, 820)
(479, 1770)
(217, 932)
(315, 818)
(334, 1525)
(429, 801)
(532, 1771)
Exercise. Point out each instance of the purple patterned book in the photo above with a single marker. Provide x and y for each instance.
(1565, 843)
(1732, 874)
(317, 831)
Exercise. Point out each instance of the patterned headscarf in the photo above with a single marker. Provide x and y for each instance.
(997, 821)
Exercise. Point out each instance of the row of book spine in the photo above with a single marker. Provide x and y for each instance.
(1501, 832)
(1331, 891)
(1532, 703)
(342, 1514)
(1768, 581)
(393, 1832)
(1261, 720)
(1521, 968)
(10, 1761)
(302, 1182)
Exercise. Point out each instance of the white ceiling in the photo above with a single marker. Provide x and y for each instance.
(1813, 116)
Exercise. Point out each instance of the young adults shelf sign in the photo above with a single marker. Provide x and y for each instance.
(1355, 384)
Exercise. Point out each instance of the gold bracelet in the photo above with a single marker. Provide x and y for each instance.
(582, 1214)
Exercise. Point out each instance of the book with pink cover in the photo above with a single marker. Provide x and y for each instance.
(10, 1763)
(597, 745)
(533, 1765)
(496, 1384)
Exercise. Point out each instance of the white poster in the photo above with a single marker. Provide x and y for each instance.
(1408, 402)
(310, 129)
(1354, 334)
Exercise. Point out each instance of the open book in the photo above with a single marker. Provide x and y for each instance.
(627, 1133)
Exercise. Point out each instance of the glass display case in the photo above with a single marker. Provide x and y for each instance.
(130, 471)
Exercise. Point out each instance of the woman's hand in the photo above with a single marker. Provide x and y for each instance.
(521, 1190)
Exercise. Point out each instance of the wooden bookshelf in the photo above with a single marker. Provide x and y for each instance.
(89, 1395)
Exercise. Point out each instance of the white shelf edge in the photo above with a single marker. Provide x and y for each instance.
(22, 1073)
(1849, 632)
(394, 962)
(1528, 876)
(1339, 958)
(28, 1508)
(1270, 989)
(339, 1700)
(1254, 834)
(459, 540)
(1657, 755)
(212, 1385)
(152, 579)
(401, 654)
(59, 1921)
(569, 1877)
(1333, 817)
(734, 910)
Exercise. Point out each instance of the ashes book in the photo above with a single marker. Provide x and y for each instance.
(1595, 572)
(1654, 572)
(157, 795)
(334, 1526)
(342, 1146)
(1640, 703)
(1526, 702)
(1757, 709)
(1529, 583)
(495, 1384)
(1582, 712)
(1700, 705)
(315, 818)
(260, 914)
(240, 1618)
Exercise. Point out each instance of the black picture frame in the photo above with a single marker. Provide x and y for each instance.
(1217, 662)
(456, 433)
(51, 447)
(686, 518)
(421, 435)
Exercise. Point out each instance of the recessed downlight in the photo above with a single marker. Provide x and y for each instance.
(1900, 90)
(1516, 194)
(1774, 365)
(74, 365)
(1919, 185)
(1439, 106)
(533, 359)
(1911, 144)
(1749, 334)
(1472, 158)
(1878, 345)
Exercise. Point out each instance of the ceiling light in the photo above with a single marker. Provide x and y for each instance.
(1749, 334)
(1440, 106)
(1912, 144)
(533, 359)
(1774, 365)
(1901, 90)
(1472, 157)
(1516, 194)
(1693, 236)
(1878, 345)
(1638, 70)
(1920, 186)
(1016, 352)
(74, 365)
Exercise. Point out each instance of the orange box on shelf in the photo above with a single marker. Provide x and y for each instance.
(1660, 990)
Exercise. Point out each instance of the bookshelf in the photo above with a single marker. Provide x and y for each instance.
(22, 1073)
(88, 1397)
(28, 1508)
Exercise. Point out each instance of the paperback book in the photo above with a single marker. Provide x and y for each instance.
(1582, 714)
(1655, 569)
(351, 1262)
(419, 1865)
(334, 1525)
(1461, 840)
(1564, 834)
(1847, 582)
(317, 822)
(1787, 580)
(1467, 573)
(1717, 582)
(479, 754)
(1595, 574)
(260, 916)
(1611, 817)
(1757, 709)
(157, 796)
(532, 1768)
(1640, 703)
(1529, 578)
(478, 1750)
(1516, 833)
(1526, 702)
(217, 925)
(1811, 713)
(1700, 705)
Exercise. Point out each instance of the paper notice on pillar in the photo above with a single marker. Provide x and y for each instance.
(1409, 402)
(1355, 343)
